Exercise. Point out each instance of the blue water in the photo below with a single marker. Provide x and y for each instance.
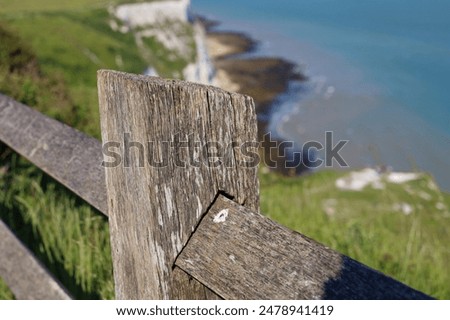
(379, 74)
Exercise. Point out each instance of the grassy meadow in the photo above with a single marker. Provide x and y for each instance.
(49, 54)
(17, 7)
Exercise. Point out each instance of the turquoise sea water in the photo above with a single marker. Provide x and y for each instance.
(379, 74)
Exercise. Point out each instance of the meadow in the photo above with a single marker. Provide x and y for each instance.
(49, 55)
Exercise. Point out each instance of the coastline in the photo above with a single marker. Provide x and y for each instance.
(277, 87)
(265, 79)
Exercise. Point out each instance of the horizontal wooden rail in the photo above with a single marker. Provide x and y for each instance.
(240, 254)
(22, 272)
(68, 155)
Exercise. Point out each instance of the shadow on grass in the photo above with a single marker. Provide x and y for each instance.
(358, 282)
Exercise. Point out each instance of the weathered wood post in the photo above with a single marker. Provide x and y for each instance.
(175, 147)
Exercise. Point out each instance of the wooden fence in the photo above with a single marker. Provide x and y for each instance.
(177, 232)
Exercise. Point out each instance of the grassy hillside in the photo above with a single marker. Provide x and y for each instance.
(73, 39)
(401, 230)
(49, 54)
(75, 45)
(21, 6)
(70, 237)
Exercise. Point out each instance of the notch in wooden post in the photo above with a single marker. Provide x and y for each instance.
(170, 147)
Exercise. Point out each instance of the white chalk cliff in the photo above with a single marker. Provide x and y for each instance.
(163, 21)
(150, 13)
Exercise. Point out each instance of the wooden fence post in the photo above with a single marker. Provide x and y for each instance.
(161, 134)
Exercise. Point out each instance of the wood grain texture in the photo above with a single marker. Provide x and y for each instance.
(154, 210)
(24, 275)
(68, 155)
(241, 254)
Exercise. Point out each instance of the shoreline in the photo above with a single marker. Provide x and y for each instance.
(265, 79)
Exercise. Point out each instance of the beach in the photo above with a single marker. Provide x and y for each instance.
(263, 78)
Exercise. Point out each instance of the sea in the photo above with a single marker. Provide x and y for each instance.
(378, 75)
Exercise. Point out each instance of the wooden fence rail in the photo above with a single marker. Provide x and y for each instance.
(186, 232)
(66, 154)
(23, 273)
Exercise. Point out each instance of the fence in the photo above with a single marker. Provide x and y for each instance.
(177, 231)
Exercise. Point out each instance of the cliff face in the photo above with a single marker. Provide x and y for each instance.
(202, 69)
(151, 13)
(166, 24)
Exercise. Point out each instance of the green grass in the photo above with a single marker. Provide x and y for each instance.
(5, 293)
(69, 236)
(74, 45)
(21, 6)
(368, 225)
(21, 78)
